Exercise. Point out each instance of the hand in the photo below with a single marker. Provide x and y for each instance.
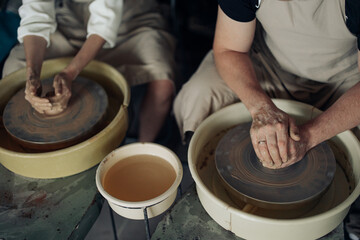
(296, 151)
(272, 133)
(33, 92)
(62, 87)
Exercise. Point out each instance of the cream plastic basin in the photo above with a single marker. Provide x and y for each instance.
(252, 226)
(79, 157)
(154, 206)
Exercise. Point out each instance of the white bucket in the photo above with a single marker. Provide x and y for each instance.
(154, 206)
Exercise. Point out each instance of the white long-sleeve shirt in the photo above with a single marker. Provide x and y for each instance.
(38, 18)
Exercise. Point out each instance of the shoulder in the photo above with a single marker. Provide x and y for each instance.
(240, 10)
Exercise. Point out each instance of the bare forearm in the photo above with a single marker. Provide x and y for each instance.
(272, 130)
(237, 71)
(87, 53)
(343, 115)
(232, 42)
(35, 48)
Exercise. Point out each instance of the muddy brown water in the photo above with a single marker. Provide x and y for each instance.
(139, 178)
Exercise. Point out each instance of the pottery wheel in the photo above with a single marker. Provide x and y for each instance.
(86, 108)
(244, 175)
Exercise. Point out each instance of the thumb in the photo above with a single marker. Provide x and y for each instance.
(57, 85)
(294, 130)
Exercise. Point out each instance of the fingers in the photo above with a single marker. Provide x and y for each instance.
(273, 150)
(259, 142)
(35, 100)
(38, 103)
(62, 89)
(256, 147)
(262, 153)
(41, 107)
(296, 152)
(282, 142)
(265, 155)
(293, 130)
(59, 104)
(32, 89)
(266, 148)
(58, 85)
(54, 111)
(271, 132)
(50, 104)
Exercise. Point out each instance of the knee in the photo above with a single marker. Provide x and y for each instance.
(9, 67)
(192, 97)
(15, 60)
(196, 90)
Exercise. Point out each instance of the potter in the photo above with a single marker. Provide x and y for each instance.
(131, 36)
(307, 51)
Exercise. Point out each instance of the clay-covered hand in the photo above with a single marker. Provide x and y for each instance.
(271, 132)
(62, 93)
(33, 90)
(296, 150)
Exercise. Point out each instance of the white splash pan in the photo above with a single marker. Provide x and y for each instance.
(79, 157)
(252, 226)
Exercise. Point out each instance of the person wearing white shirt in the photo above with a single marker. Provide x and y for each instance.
(130, 35)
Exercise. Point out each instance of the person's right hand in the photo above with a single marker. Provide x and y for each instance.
(33, 91)
(271, 132)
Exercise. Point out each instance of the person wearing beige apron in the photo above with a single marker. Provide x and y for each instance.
(130, 35)
(303, 50)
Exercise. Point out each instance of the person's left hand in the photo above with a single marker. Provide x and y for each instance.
(62, 93)
(297, 149)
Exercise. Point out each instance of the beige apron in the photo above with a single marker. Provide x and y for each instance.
(316, 60)
(311, 43)
(144, 48)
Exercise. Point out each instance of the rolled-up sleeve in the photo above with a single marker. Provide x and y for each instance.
(37, 18)
(105, 19)
(352, 10)
(239, 10)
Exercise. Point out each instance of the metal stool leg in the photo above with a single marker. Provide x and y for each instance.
(113, 223)
(147, 224)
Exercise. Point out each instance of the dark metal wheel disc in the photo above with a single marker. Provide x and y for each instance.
(86, 109)
(247, 180)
